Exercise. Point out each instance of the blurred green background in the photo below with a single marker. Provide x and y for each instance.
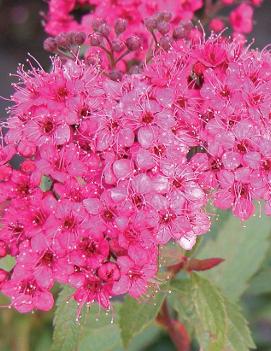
(21, 32)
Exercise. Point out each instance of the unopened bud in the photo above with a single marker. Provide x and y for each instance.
(104, 29)
(133, 43)
(164, 16)
(117, 45)
(120, 25)
(79, 38)
(178, 33)
(95, 39)
(183, 30)
(135, 69)
(163, 27)
(97, 23)
(63, 40)
(115, 75)
(151, 23)
(50, 44)
(165, 43)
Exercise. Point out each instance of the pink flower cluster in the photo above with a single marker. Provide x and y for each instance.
(78, 15)
(113, 169)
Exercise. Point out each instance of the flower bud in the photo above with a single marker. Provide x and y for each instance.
(117, 45)
(63, 40)
(115, 75)
(50, 44)
(178, 33)
(165, 43)
(133, 43)
(164, 16)
(163, 27)
(103, 29)
(79, 38)
(120, 25)
(97, 23)
(135, 69)
(95, 39)
(109, 272)
(182, 31)
(151, 23)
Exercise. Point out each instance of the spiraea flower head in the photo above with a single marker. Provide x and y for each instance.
(121, 157)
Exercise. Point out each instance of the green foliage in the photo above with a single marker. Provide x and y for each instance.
(135, 316)
(217, 323)
(46, 183)
(243, 247)
(93, 332)
(261, 283)
(7, 263)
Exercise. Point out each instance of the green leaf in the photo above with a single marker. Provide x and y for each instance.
(136, 316)
(217, 323)
(261, 283)
(7, 263)
(67, 331)
(243, 246)
(238, 336)
(46, 183)
(202, 307)
(95, 332)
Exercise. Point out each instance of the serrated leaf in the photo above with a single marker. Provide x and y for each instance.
(217, 323)
(202, 306)
(238, 336)
(46, 183)
(67, 331)
(94, 332)
(243, 246)
(136, 316)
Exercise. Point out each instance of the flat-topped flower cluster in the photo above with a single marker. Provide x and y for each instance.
(114, 168)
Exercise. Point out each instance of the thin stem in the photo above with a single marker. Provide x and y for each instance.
(175, 329)
(122, 56)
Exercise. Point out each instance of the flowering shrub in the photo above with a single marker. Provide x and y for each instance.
(123, 146)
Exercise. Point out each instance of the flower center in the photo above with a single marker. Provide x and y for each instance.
(147, 118)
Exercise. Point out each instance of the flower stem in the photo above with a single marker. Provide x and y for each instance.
(175, 329)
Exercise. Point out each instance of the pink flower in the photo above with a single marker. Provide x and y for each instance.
(26, 295)
(135, 277)
(94, 289)
(217, 25)
(241, 18)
